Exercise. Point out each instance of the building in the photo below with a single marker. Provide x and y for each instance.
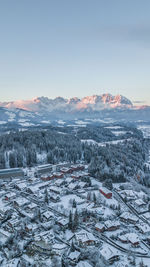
(129, 218)
(47, 177)
(84, 239)
(105, 192)
(100, 227)
(44, 169)
(66, 170)
(130, 238)
(11, 173)
(143, 228)
(74, 257)
(109, 256)
(112, 226)
(10, 196)
(63, 223)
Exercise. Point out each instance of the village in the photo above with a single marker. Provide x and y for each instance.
(58, 215)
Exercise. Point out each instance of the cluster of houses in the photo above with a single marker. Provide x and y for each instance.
(38, 215)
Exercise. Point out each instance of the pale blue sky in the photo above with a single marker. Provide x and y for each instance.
(74, 48)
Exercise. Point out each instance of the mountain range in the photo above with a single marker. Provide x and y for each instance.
(95, 102)
(44, 110)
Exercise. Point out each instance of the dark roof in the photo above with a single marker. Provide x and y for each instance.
(12, 170)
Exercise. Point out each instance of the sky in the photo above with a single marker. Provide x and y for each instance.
(74, 48)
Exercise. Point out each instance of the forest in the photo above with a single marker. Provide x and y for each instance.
(116, 161)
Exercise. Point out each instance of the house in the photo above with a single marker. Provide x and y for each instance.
(13, 222)
(140, 203)
(48, 215)
(78, 167)
(76, 176)
(66, 170)
(148, 239)
(111, 225)
(82, 184)
(47, 177)
(122, 264)
(84, 238)
(20, 201)
(132, 238)
(143, 228)
(21, 186)
(100, 227)
(31, 207)
(54, 197)
(73, 186)
(109, 255)
(146, 215)
(41, 247)
(58, 175)
(63, 223)
(128, 194)
(123, 239)
(105, 192)
(10, 196)
(4, 208)
(59, 182)
(58, 248)
(74, 256)
(43, 185)
(55, 189)
(129, 218)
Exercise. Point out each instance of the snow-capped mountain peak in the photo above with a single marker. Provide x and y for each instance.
(95, 102)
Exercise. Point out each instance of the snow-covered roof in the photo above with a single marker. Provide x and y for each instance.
(128, 216)
(85, 236)
(32, 205)
(58, 246)
(10, 194)
(110, 223)
(105, 190)
(11, 170)
(145, 228)
(63, 221)
(99, 226)
(139, 202)
(21, 201)
(21, 185)
(47, 214)
(74, 255)
(83, 264)
(131, 237)
(108, 253)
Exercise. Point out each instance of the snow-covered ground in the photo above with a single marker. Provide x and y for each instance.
(3, 122)
(145, 129)
(114, 142)
(117, 133)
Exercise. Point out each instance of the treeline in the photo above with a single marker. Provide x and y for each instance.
(20, 149)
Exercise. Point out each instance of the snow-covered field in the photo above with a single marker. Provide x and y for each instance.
(114, 142)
